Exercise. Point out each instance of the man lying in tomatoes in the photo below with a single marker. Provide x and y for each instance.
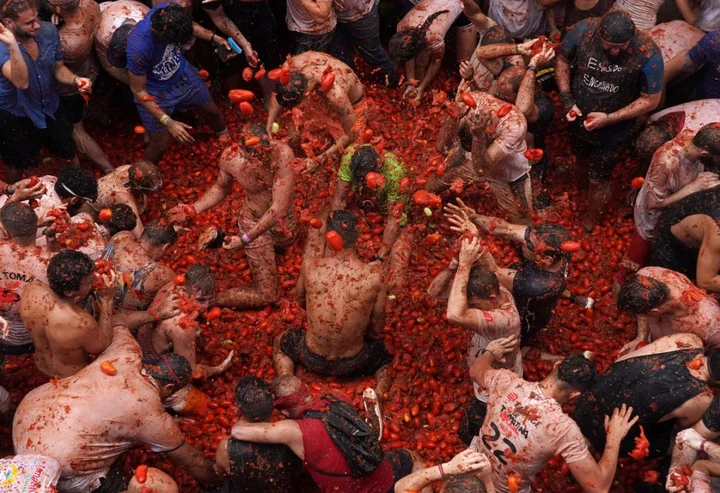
(110, 406)
(252, 467)
(325, 86)
(263, 168)
(385, 177)
(666, 302)
(345, 302)
(525, 425)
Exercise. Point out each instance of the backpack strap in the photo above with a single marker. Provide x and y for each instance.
(314, 414)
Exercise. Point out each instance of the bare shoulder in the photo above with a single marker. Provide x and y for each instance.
(282, 150)
(35, 292)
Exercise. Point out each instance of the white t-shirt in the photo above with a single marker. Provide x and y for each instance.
(695, 114)
(352, 10)
(113, 16)
(435, 34)
(300, 21)
(522, 18)
(642, 12)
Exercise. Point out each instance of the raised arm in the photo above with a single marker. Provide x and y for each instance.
(466, 462)
(15, 70)
(689, 12)
(439, 288)
(493, 51)
(458, 311)
(525, 100)
(472, 11)
(319, 10)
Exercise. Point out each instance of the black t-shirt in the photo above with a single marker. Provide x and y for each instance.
(536, 293)
(270, 468)
(711, 418)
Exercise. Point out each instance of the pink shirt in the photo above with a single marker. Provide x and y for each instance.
(435, 34)
(523, 429)
(669, 172)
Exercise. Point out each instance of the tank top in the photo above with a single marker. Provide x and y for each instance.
(573, 15)
(299, 21)
(654, 385)
(270, 468)
(642, 12)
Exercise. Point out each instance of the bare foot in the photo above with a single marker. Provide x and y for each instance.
(372, 408)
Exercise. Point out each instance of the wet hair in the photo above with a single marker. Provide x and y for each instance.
(483, 283)
(67, 269)
(172, 24)
(514, 76)
(551, 236)
(708, 139)
(19, 219)
(159, 232)
(11, 9)
(403, 46)
(170, 368)
(123, 219)
(143, 175)
(201, 278)
(617, 27)
(117, 49)
(290, 95)
(496, 35)
(285, 385)
(464, 484)
(577, 371)
(363, 161)
(260, 132)
(254, 398)
(77, 181)
(466, 137)
(713, 363)
(650, 140)
(640, 294)
(344, 223)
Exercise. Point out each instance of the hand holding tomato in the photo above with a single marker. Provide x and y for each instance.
(573, 114)
(596, 120)
(29, 188)
(619, 424)
(232, 243)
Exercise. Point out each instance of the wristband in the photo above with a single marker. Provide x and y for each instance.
(245, 239)
(533, 68)
(212, 38)
(165, 120)
(442, 473)
(75, 79)
(515, 49)
(702, 445)
(607, 115)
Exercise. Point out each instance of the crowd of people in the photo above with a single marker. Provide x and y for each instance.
(92, 302)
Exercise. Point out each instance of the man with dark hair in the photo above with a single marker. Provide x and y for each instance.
(526, 426)
(178, 334)
(478, 303)
(129, 184)
(619, 77)
(252, 467)
(345, 302)
(537, 283)
(32, 65)
(137, 262)
(24, 263)
(681, 167)
(99, 422)
(667, 382)
(359, 170)
(79, 22)
(266, 220)
(309, 439)
(163, 81)
(344, 100)
(117, 20)
(666, 303)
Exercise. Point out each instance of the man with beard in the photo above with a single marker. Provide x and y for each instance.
(32, 64)
(618, 77)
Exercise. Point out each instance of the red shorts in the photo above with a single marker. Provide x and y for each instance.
(635, 259)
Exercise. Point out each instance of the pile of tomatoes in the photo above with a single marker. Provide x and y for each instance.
(431, 382)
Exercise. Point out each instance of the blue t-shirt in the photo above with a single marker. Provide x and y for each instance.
(40, 99)
(160, 62)
(707, 52)
(604, 83)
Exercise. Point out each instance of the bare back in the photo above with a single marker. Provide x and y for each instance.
(340, 295)
(59, 329)
(314, 64)
(253, 175)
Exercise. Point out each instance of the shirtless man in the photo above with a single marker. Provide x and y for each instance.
(526, 419)
(692, 248)
(253, 467)
(129, 185)
(100, 421)
(178, 335)
(665, 125)
(80, 21)
(21, 262)
(64, 333)
(266, 220)
(344, 100)
(478, 303)
(666, 302)
(109, 46)
(356, 165)
(137, 262)
(498, 157)
(686, 165)
(668, 384)
(345, 303)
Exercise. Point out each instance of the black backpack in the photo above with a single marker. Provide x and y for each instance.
(358, 442)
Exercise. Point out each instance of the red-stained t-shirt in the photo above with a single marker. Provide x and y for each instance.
(321, 454)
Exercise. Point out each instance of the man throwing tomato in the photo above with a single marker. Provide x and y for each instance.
(618, 77)
(266, 220)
